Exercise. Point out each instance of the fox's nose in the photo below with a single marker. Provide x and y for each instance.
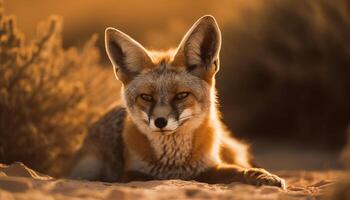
(160, 122)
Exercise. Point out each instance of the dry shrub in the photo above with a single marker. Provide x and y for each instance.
(48, 95)
(289, 66)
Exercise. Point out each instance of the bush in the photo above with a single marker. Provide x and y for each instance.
(48, 95)
(289, 69)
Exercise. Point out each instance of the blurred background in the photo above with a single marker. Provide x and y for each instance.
(284, 82)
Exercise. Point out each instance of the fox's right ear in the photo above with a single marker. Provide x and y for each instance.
(128, 57)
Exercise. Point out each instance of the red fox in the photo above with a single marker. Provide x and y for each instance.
(169, 126)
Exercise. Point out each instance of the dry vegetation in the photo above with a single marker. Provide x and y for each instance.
(289, 66)
(48, 95)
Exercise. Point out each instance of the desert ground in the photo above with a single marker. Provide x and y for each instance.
(20, 182)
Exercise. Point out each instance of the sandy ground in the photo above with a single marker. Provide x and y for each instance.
(19, 182)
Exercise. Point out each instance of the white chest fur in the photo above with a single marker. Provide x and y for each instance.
(174, 158)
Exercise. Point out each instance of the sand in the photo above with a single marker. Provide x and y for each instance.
(19, 182)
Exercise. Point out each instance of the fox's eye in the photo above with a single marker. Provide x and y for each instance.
(146, 97)
(181, 95)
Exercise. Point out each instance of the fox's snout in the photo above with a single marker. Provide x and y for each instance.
(163, 123)
(169, 123)
(162, 118)
(160, 122)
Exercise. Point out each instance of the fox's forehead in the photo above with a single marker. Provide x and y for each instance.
(159, 57)
(165, 79)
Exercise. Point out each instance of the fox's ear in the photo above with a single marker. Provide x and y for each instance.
(199, 49)
(128, 57)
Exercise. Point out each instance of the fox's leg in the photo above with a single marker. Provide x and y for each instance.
(87, 167)
(94, 166)
(259, 176)
(233, 173)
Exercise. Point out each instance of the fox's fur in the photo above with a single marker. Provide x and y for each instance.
(169, 126)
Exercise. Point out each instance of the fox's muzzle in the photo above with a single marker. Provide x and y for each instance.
(160, 122)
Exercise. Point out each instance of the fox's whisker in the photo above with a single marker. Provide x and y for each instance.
(187, 117)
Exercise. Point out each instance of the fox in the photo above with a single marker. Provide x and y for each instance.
(168, 125)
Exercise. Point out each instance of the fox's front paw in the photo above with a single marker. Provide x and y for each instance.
(259, 177)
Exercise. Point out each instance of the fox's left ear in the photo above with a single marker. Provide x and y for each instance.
(199, 49)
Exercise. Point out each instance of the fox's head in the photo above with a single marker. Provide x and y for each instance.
(168, 91)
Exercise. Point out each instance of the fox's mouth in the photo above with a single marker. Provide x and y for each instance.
(172, 127)
(168, 131)
(165, 131)
(180, 123)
